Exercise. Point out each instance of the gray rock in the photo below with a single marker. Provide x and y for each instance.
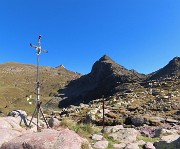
(7, 135)
(149, 145)
(47, 139)
(119, 146)
(101, 145)
(54, 122)
(125, 135)
(112, 129)
(97, 137)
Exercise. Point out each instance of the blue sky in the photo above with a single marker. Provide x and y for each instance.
(139, 34)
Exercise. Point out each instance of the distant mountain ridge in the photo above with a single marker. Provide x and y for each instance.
(107, 78)
(19, 80)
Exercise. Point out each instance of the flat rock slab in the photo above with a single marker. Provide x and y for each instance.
(101, 145)
(47, 139)
(7, 134)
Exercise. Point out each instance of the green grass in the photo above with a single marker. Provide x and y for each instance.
(148, 139)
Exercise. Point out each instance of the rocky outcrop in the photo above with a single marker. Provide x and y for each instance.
(47, 139)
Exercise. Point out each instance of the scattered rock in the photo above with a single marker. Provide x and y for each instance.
(54, 122)
(125, 135)
(101, 145)
(149, 145)
(97, 137)
(119, 146)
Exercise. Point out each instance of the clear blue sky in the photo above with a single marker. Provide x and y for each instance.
(139, 34)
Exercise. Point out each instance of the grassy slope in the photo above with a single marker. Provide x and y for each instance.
(17, 81)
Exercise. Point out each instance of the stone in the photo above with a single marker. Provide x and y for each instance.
(54, 122)
(162, 132)
(132, 146)
(136, 121)
(168, 120)
(149, 145)
(97, 137)
(112, 129)
(8, 134)
(47, 139)
(119, 146)
(101, 145)
(125, 135)
(170, 138)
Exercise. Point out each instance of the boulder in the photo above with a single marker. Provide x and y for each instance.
(48, 139)
(119, 146)
(163, 132)
(112, 129)
(53, 122)
(97, 137)
(149, 145)
(101, 145)
(8, 134)
(125, 135)
(136, 121)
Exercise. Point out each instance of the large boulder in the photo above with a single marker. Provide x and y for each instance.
(48, 139)
(7, 135)
(126, 135)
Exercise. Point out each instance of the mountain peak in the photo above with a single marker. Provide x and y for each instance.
(105, 58)
(175, 61)
(171, 69)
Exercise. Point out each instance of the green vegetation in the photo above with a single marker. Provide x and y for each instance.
(84, 130)
(148, 139)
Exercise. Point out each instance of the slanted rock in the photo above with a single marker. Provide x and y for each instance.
(7, 135)
(47, 139)
(101, 145)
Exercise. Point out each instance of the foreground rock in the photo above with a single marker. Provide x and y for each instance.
(48, 139)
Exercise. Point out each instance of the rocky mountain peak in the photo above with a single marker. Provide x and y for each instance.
(175, 61)
(172, 69)
(105, 58)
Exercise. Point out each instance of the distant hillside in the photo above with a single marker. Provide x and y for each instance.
(19, 80)
(170, 70)
(106, 75)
